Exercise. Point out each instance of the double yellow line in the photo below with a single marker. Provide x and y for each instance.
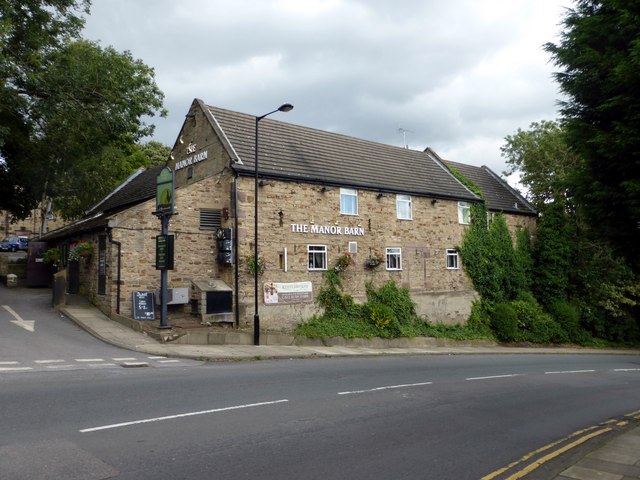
(583, 436)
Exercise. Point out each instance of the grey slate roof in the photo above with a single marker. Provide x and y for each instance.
(140, 186)
(498, 194)
(300, 153)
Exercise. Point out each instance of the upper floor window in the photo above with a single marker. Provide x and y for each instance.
(348, 201)
(394, 258)
(464, 213)
(403, 207)
(317, 257)
(452, 259)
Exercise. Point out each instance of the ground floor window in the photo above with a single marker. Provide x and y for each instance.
(452, 259)
(317, 257)
(394, 258)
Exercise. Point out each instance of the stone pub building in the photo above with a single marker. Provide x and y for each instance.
(321, 195)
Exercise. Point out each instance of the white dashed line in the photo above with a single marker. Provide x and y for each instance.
(89, 360)
(389, 387)
(60, 367)
(626, 369)
(168, 361)
(48, 361)
(15, 369)
(135, 364)
(156, 357)
(569, 371)
(181, 415)
(492, 376)
(9, 363)
(124, 359)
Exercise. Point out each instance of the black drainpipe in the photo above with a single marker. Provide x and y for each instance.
(119, 245)
(235, 247)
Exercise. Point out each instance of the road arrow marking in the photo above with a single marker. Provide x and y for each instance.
(28, 325)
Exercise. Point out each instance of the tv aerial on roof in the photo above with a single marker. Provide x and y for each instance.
(404, 132)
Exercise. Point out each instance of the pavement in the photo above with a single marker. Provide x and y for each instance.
(615, 457)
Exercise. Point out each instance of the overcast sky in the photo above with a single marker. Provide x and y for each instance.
(456, 75)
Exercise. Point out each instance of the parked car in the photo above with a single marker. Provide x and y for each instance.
(10, 244)
(24, 243)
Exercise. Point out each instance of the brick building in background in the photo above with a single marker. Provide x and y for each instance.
(321, 195)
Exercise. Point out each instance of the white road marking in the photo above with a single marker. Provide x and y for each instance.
(53, 367)
(15, 369)
(48, 361)
(168, 361)
(569, 371)
(102, 365)
(9, 363)
(156, 357)
(135, 364)
(389, 387)
(28, 325)
(88, 360)
(180, 415)
(124, 359)
(626, 369)
(493, 376)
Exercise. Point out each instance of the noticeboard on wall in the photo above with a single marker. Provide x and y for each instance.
(143, 307)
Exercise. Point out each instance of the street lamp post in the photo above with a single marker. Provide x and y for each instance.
(256, 316)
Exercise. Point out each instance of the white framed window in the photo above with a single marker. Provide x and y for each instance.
(403, 207)
(348, 201)
(464, 213)
(353, 248)
(317, 257)
(452, 259)
(394, 258)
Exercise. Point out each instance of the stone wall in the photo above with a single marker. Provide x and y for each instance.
(423, 240)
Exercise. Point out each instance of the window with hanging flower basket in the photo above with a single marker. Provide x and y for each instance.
(80, 250)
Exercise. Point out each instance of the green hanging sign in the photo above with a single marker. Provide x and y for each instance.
(164, 191)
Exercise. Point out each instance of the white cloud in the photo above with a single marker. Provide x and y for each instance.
(459, 76)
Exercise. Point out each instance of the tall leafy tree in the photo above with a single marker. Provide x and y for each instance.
(71, 110)
(29, 31)
(599, 57)
(544, 161)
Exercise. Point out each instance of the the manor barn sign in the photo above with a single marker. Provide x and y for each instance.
(192, 160)
(326, 229)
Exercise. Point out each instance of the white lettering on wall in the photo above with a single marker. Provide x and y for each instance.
(187, 162)
(327, 229)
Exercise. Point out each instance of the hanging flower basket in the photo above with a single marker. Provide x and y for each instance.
(343, 262)
(373, 261)
(80, 250)
(52, 256)
(251, 264)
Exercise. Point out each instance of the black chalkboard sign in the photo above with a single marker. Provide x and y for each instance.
(143, 308)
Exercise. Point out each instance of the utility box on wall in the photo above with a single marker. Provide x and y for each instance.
(224, 243)
(176, 296)
(212, 300)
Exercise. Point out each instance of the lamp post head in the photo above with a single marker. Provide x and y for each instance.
(287, 107)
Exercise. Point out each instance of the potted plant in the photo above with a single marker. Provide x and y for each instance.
(80, 249)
